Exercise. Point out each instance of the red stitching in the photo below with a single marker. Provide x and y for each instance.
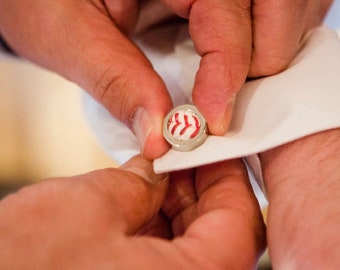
(175, 119)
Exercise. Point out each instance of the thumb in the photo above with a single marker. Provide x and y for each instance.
(221, 31)
(140, 194)
(133, 193)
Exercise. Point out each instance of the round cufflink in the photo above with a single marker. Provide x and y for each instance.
(185, 128)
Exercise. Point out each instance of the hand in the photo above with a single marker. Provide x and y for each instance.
(303, 187)
(86, 42)
(112, 219)
(243, 38)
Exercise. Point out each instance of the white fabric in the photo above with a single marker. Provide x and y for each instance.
(300, 101)
(275, 110)
(176, 63)
(269, 112)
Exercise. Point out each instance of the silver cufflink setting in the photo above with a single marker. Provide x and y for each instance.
(185, 128)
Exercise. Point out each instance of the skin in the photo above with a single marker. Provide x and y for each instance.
(303, 187)
(111, 219)
(236, 39)
(87, 42)
(119, 218)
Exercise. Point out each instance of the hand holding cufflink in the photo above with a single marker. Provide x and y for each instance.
(185, 128)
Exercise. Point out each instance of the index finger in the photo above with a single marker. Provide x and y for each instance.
(219, 216)
(228, 207)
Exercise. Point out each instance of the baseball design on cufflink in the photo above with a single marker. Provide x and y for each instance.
(185, 128)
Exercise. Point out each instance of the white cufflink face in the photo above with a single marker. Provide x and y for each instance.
(185, 128)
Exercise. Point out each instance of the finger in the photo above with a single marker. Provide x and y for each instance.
(82, 43)
(303, 187)
(221, 32)
(226, 221)
(278, 27)
(180, 202)
(124, 13)
(158, 227)
(228, 205)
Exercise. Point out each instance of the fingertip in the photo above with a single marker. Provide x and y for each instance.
(218, 120)
(144, 169)
(220, 127)
(149, 134)
(210, 173)
(155, 146)
(218, 80)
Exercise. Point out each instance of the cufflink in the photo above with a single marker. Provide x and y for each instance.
(185, 128)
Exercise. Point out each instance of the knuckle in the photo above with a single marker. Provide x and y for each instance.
(269, 64)
(113, 90)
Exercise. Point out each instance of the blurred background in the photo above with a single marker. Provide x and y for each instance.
(43, 132)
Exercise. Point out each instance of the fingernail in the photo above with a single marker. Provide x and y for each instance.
(228, 113)
(144, 168)
(142, 126)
